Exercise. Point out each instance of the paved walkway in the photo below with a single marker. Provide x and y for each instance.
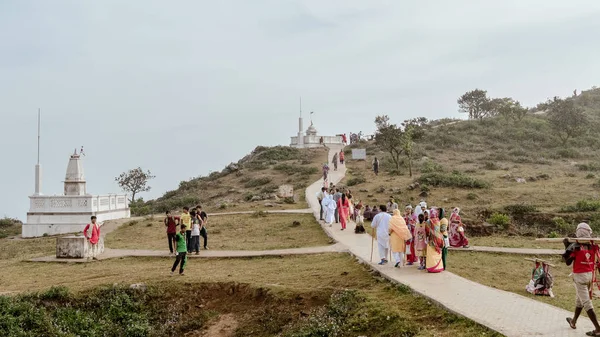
(119, 253)
(502, 311)
(276, 211)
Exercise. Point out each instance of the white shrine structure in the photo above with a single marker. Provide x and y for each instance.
(310, 138)
(69, 213)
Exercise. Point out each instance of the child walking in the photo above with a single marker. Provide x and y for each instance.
(181, 259)
(420, 241)
(195, 235)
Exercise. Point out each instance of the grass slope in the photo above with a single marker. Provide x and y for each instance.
(258, 231)
(246, 185)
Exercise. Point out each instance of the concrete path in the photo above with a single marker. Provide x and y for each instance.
(277, 211)
(502, 311)
(119, 253)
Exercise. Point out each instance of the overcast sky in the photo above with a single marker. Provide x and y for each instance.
(185, 87)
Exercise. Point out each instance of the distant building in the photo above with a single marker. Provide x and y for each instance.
(310, 138)
(69, 213)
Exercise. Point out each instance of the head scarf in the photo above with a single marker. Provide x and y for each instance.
(408, 207)
(418, 210)
(456, 210)
(423, 204)
(583, 231)
(398, 226)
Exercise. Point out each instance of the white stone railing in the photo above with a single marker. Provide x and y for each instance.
(84, 203)
(317, 139)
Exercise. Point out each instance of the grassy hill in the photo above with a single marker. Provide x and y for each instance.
(251, 183)
(520, 170)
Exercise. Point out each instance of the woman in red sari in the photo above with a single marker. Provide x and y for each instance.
(344, 208)
(457, 231)
(411, 220)
(435, 244)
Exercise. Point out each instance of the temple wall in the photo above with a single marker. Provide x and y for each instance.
(314, 141)
(52, 215)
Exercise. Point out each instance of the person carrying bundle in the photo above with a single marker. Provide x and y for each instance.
(582, 257)
(541, 280)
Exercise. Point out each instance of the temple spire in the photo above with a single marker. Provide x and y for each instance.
(38, 167)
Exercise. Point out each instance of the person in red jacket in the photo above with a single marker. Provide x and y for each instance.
(342, 157)
(581, 256)
(94, 236)
(171, 224)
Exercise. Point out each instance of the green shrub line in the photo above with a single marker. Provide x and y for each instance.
(454, 179)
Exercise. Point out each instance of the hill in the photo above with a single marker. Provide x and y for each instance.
(251, 183)
(518, 169)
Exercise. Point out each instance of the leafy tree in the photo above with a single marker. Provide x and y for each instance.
(566, 118)
(419, 125)
(388, 138)
(475, 103)
(408, 145)
(508, 108)
(134, 181)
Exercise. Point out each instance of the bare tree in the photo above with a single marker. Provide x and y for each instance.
(134, 181)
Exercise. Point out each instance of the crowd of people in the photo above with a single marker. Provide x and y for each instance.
(419, 236)
(192, 225)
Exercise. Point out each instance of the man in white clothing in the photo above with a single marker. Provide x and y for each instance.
(381, 223)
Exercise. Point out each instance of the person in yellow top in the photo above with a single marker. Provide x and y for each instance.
(399, 234)
(186, 219)
(444, 231)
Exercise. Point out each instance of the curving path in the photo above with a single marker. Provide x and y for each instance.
(502, 311)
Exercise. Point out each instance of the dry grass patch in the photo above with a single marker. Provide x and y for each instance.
(258, 231)
(512, 273)
(513, 242)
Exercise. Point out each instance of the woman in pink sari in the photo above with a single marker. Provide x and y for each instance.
(411, 220)
(344, 208)
(457, 231)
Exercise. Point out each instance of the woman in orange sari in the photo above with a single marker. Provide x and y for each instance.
(435, 244)
(399, 234)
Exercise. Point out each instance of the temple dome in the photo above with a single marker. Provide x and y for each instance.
(311, 131)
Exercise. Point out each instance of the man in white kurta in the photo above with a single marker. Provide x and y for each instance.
(381, 224)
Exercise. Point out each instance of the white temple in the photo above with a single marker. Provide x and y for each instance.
(69, 213)
(310, 138)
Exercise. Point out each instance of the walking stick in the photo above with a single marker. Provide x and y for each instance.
(372, 240)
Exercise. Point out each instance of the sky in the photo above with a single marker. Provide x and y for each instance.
(184, 88)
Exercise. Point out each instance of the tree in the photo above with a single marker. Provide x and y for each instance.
(475, 103)
(419, 125)
(408, 145)
(388, 137)
(566, 118)
(508, 108)
(134, 181)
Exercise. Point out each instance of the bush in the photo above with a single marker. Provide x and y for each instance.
(454, 179)
(519, 209)
(500, 220)
(583, 206)
(564, 227)
(593, 167)
(472, 196)
(431, 167)
(491, 166)
(590, 176)
(257, 182)
(277, 153)
(356, 181)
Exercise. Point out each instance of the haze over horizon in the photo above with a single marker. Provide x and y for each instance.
(188, 88)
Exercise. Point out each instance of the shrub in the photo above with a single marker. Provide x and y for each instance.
(257, 182)
(491, 166)
(430, 167)
(277, 153)
(259, 214)
(472, 196)
(454, 179)
(594, 167)
(590, 176)
(563, 227)
(583, 206)
(356, 181)
(500, 220)
(519, 209)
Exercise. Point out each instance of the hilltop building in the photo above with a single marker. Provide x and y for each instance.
(310, 138)
(69, 213)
